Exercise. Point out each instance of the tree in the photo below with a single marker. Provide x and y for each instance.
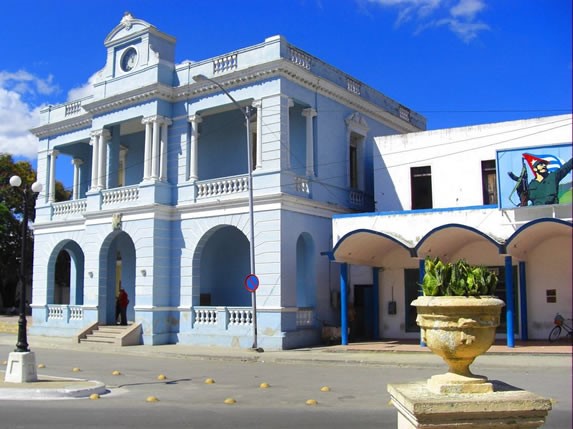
(11, 216)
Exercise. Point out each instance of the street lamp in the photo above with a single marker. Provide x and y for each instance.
(247, 113)
(16, 182)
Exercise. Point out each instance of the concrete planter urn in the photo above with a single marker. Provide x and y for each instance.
(458, 328)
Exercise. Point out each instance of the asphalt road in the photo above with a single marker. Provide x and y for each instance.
(357, 397)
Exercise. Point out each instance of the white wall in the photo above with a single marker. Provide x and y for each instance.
(455, 156)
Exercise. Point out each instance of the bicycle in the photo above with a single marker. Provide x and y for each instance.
(560, 324)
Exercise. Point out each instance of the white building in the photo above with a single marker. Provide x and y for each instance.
(448, 193)
(161, 203)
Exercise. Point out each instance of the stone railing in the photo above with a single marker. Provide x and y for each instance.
(206, 316)
(240, 316)
(224, 64)
(300, 58)
(353, 86)
(301, 185)
(56, 312)
(65, 312)
(356, 199)
(120, 195)
(222, 317)
(73, 108)
(71, 207)
(219, 187)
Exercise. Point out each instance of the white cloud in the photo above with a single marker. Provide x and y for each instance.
(459, 16)
(84, 90)
(20, 103)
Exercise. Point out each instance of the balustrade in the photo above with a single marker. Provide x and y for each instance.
(226, 63)
(120, 195)
(65, 208)
(218, 187)
(240, 316)
(300, 58)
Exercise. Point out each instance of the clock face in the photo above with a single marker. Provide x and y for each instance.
(128, 59)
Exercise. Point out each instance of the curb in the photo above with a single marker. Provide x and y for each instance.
(52, 388)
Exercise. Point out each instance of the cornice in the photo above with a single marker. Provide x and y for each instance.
(138, 95)
(65, 126)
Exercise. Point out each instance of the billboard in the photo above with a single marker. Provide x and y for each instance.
(534, 176)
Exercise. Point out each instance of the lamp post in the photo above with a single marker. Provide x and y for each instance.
(21, 366)
(247, 113)
(16, 182)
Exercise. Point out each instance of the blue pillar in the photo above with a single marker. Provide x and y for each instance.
(509, 304)
(343, 304)
(376, 304)
(523, 301)
(422, 272)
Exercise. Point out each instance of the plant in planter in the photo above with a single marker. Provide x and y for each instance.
(458, 316)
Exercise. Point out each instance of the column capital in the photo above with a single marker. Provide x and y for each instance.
(54, 153)
(104, 133)
(257, 104)
(77, 162)
(196, 118)
(309, 112)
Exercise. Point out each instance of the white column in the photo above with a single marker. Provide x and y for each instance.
(76, 162)
(195, 120)
(104, 136)
(259, 152)
(147, 149)
(53, 157)
(309, 114)
(155, 149)
(94, 141)
(164, 135)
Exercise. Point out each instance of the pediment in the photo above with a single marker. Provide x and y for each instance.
(127, 28)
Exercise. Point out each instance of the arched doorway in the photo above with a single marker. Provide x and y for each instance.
(223, 268)
(117, 269)
(66, 284)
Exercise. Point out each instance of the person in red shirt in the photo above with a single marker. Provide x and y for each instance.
(121, 306)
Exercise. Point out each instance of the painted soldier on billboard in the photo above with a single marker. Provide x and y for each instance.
(545, 187)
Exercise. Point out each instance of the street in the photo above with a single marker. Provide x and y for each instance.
(357, 396)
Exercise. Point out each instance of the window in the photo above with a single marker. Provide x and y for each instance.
(421, 182)
(354, 157)
(489, 182)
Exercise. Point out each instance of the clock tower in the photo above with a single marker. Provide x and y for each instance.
(137, 55)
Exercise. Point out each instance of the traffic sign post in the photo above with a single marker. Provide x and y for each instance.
(251, 283)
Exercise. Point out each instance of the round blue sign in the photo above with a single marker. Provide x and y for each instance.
(251, 282)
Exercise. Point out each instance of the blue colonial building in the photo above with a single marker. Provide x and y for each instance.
(163, 158)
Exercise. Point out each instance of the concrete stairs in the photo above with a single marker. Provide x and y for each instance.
(116, 335)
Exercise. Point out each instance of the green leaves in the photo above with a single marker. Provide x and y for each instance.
(457, 279)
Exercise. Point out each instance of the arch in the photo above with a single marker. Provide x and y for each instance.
(450, 238)
(369, 247)
(117, 261)
(71, 263)
(220, 265)
(305, 271)
(529, 235)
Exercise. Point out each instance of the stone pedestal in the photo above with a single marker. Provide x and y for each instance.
(506, 407)
(21, 368)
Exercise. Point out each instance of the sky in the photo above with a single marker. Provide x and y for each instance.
(456, 62)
